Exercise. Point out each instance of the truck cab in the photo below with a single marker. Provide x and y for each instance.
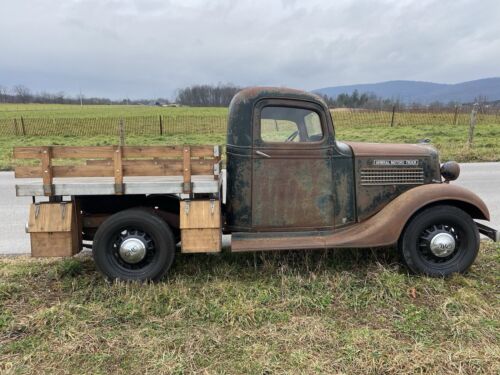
(289, 184)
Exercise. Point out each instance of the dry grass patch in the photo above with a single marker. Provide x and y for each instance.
(344, 311)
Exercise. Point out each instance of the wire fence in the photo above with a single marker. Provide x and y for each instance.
(210, 124)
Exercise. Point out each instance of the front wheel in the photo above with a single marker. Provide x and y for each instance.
(439, 241)
(134, 244)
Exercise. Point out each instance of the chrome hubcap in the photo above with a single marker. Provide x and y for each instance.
(442, 244)
(132, 250)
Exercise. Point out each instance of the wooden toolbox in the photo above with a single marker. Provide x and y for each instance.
(53, 230)
(200, 222)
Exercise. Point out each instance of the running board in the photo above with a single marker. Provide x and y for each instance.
(371, 233)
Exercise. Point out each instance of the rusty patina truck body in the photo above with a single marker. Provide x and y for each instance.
(289, 184)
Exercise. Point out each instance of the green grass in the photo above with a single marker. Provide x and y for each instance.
(97, 125)
(8, 111)
(344, 311)
(450, 141)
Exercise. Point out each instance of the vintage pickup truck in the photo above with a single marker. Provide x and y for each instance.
(288, 184)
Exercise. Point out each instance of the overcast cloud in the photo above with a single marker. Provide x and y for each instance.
(149, 48)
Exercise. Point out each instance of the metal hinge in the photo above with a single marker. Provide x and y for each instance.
(187, 187)
(48, 189)
(37, 209)
(212, 206)
(119, 189)
(186, 207)
(63, 210)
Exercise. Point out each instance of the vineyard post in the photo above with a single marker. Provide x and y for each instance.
(121, 131)
(22, 126)
(161, 125)
(14, 125)
(455, 117)
(393, 113)
(472, 124)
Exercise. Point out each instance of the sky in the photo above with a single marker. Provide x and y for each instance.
(151, 48)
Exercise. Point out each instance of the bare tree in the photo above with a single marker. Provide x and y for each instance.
(22, 93)
(207, 95)
(3, 94)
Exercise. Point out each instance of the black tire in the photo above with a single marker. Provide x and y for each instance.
(415, 242)
(140, 225)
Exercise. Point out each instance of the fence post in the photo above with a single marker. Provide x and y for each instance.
(393, 113)
(121, 131)
(14, 126)
(22, 126)
(472, 124)
(455, 117)
(161, 125)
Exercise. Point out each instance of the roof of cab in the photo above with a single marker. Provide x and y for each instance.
(252, 94)
(241, 109)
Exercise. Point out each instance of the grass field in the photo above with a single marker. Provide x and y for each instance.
(97, 125)
(450, 141)
(69, 110)
(344, 311)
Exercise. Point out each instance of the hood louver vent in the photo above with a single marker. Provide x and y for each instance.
(392, 176)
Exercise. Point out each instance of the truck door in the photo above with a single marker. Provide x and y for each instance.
(291, 167)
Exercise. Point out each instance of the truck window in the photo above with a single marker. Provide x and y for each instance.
(289, 124)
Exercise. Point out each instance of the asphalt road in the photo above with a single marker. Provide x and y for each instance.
(482, 178)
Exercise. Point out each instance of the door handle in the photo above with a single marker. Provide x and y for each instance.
(263, 154)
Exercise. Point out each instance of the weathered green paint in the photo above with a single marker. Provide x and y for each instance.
(305, 186)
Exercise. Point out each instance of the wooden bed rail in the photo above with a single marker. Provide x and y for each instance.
(118, 162)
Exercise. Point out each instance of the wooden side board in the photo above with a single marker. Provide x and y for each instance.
(119, 162)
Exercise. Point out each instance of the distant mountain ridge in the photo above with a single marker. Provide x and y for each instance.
(424, 92)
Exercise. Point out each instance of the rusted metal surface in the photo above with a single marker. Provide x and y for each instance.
(292, 193)
(389, 150)
(450, 170)
(240, 120)
(344, 190)
(285, 186)
(382, 229)
(292, 187)
(385, 171)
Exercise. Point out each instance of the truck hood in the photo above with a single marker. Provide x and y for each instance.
(384, 171)
(390, 149)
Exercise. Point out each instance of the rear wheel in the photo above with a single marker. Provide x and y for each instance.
(439, 241)
(134, 244)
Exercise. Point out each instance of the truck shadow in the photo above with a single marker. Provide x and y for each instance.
(296, 262)
(262, 265)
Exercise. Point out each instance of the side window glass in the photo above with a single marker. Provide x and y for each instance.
(289, 124)
(313, 126)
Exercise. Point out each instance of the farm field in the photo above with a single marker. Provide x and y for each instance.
(451, 141)
(343, 311)
(8, 110)
(151, 125)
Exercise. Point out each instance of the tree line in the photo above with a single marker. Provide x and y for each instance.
(207, 95)
(23, 94)
(219, 95)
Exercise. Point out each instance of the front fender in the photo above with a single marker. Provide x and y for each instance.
(382, 229)
(385, 227)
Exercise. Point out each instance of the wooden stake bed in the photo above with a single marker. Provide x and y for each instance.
(109, 170)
